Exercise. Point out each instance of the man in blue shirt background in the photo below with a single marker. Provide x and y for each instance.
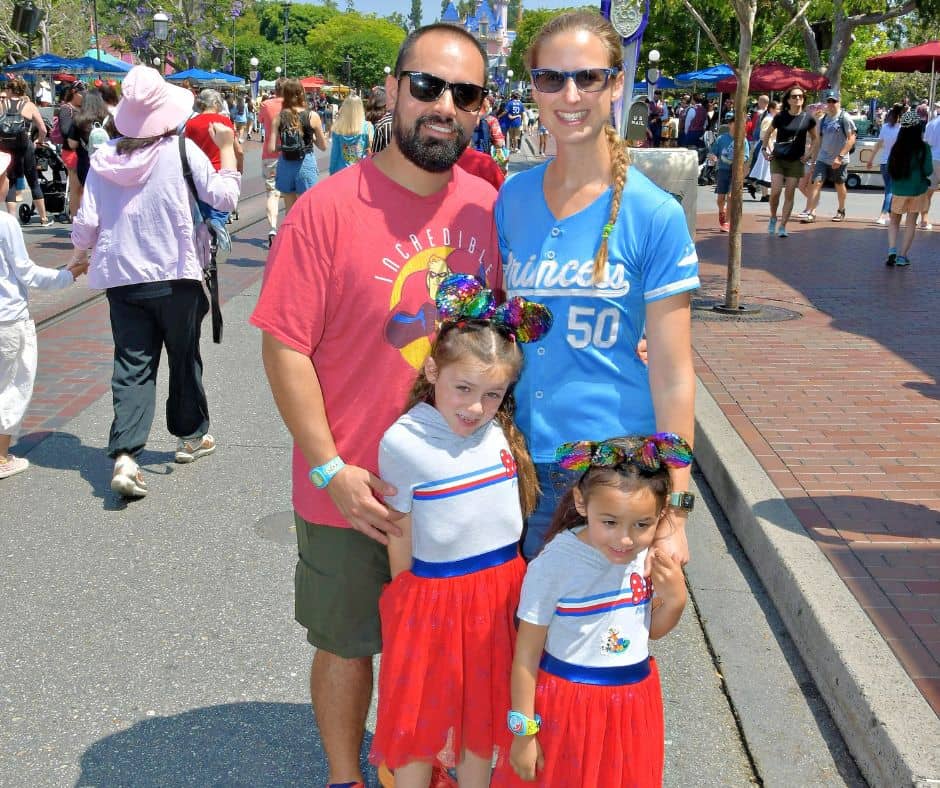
(515, 109)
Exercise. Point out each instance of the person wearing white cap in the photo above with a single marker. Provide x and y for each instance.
(136, 218)
(17, 331)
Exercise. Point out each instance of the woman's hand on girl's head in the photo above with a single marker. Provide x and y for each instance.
(526, 757)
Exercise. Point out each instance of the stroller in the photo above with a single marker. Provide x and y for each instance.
(53, 181)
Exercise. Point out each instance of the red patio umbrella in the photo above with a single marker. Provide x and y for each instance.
(776, 76)
(923, 57)
(312, 83)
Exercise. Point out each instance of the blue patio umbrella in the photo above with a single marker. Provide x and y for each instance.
(198, 75)
(661, 83)
(107, 57)
(707, 75)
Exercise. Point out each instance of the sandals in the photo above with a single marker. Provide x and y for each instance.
(840, 215)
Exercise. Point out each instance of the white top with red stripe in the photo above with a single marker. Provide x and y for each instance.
(463, 493)
(598, 613)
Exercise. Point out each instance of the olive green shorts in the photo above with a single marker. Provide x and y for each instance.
(339, 577)
(788, 169)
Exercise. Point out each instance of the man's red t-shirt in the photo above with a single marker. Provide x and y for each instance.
(197, 129)
(270, 109)
(350, 283)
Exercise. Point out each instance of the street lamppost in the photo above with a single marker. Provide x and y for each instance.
(387, 70)
(509, 76)
(348, 64)
(253, 76)
(285, 4)
(652, 73)
(161, 31)
(277, 71)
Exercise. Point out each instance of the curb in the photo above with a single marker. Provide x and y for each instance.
(887, 725)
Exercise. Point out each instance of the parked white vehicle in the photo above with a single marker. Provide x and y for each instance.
(859, 173)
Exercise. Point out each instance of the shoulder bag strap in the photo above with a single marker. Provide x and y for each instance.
(211, 274)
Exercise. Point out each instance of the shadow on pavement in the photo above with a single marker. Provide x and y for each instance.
(235, 744)
(65, 451)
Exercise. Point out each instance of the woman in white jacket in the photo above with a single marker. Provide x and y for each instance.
(136, 217)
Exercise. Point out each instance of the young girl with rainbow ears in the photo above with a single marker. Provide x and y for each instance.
(586, 702)
(465, 480)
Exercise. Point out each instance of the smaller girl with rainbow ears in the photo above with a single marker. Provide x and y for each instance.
(586, 702)
(465, 481)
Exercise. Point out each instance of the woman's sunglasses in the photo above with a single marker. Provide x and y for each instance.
(797, 96)
(427, 87)
(587, 80)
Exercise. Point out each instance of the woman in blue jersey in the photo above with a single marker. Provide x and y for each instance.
(610, 254)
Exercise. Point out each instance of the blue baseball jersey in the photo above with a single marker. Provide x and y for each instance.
(515, 107)
(583, 380)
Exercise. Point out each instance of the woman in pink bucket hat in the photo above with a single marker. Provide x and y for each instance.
(147, 254)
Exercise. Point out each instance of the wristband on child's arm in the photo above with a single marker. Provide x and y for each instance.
(520, 725)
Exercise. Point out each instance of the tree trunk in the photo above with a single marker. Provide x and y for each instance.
(746, 12)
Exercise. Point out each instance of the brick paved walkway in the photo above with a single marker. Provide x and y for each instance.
(842, 408)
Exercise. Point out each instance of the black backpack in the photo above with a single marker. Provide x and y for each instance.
(292, 140)
(14, 128)
(482, 138)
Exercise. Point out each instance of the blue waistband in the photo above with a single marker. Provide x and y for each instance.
(465, 566)
(581, 674)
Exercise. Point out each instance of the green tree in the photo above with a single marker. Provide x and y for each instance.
(369, 43)
(532, 22)
(399, 20)
(414, 18)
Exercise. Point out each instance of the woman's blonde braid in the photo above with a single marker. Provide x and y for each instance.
(620, 161)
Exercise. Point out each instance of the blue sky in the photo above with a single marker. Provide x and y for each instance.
(431, 9)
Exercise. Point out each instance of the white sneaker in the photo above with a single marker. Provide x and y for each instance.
(12, 465)
(127, 479)
(190, 450)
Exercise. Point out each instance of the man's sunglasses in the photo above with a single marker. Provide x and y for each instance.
(587, 80)
(427, 87)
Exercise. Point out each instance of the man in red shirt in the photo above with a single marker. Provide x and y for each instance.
(270, 109)
(346, 325)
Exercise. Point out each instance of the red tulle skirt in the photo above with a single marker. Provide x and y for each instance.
(595, 736)
(447, 647)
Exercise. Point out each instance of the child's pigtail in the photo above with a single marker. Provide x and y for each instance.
(525, 468)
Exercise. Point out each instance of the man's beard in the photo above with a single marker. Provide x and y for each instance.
(430, 153)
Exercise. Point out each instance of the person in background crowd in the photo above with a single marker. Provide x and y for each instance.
(721, 153)
(787, 154)
(932, 138)
(94, 113)
(239, 110)
(923, 111)
(659, 113)
(681, 111)
(23, 149)
(296, 171)
(199, 130)
(270, 109)
(514, 110)
(696, 119)
(44, 94)
(352, 135)
(911, 168)
(758, 115)
(381, 118)
(65, 113)
(150, 264)
(887, 136)
(831, 152)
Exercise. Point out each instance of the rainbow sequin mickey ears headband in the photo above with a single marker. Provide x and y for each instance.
(649, 453)
(463, 297)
